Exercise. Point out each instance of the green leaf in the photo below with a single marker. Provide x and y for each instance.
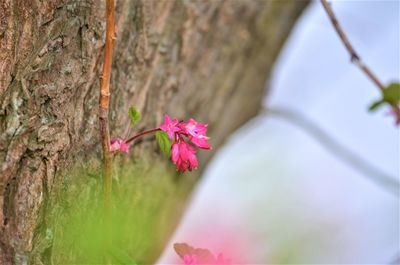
(164, 142)
(375, 105)
(134, 115)
(391, 93)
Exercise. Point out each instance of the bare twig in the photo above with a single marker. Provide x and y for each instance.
(355, 58)
(374, 174)
(104, 104)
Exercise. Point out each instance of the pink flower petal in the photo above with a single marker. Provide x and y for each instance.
(170, 126)
(119, 145)
(183, 156)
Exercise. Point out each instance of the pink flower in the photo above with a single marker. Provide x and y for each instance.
(190, 260)
(184, 156)
(197, 133)
(221, 260)
(195, 129)
(119, 145)
(170, 126)
(200, 142)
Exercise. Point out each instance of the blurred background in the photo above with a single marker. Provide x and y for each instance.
(307, 188)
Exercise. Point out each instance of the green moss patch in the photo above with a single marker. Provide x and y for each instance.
(148, 199)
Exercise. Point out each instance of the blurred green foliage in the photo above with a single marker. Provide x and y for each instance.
(148, 199)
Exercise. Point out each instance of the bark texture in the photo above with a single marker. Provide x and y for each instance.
(202, 59)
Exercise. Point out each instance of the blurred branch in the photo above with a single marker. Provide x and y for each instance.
(396, 260)
(355, 58)
(355, 161)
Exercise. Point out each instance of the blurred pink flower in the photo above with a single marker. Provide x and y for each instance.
(190, 260)
(119, 145)
(221, 260)
(197, 256)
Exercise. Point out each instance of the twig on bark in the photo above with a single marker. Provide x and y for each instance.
(355, 58)
(104, 104)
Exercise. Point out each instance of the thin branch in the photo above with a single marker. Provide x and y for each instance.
(104, 104)
(374, 174)
(141, 134)
(355, 58)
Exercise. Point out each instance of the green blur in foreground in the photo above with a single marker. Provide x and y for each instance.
(148, 200)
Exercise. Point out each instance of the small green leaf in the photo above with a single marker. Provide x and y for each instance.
(134, 115)
(391, 93)
(374, 106)
(164, 142)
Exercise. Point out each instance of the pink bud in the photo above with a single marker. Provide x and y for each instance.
(184, 156)
(119, 145)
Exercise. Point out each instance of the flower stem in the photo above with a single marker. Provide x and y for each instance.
(104, 105)
(141, 134)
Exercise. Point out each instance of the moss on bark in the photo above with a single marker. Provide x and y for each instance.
(147, 199)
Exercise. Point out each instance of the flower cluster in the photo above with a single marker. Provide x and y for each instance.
(183, 154)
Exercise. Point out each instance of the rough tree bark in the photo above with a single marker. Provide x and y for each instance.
(202, 59)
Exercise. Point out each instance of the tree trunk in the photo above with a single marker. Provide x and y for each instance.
(203, 59)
